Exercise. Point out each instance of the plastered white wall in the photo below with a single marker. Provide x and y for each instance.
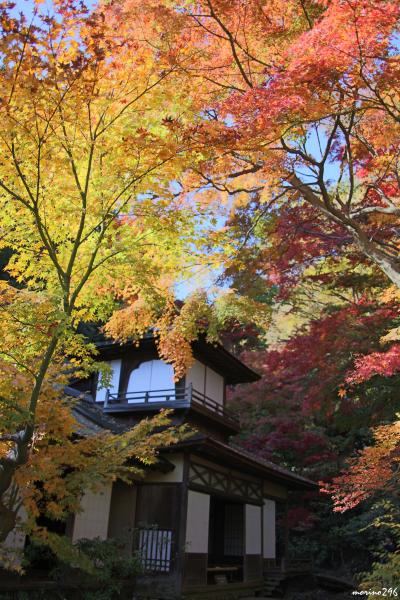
(92, 521)
(15, 541)
(206, 381)
(114, 383)
(253, 529)
(150, 375)
(175, 476)
(214, 386)
(269, 529)
(196, 376)
(198, 516)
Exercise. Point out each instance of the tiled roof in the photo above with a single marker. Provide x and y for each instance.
(90, 415)
(270, 465)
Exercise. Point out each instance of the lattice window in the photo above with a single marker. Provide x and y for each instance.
(155, 548)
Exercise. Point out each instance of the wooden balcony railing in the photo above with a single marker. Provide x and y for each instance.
(167, 398)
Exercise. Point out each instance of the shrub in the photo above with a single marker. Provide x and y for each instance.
(111, 567)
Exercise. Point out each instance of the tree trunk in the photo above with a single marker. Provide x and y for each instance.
(391, 267)
(19, 454)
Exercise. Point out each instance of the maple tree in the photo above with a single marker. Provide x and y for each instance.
(300, 108)
(89, 220)
(302, 394)
(303, 415)
(374, 469)
(301, 138)
(303, 130)
(94, 112)
(116, 123)
(327, 397)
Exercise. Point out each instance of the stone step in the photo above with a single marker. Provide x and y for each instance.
(271, 585)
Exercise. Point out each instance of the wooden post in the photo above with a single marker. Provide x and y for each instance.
(106, 398)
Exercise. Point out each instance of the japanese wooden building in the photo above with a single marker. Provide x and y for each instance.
(205, 519)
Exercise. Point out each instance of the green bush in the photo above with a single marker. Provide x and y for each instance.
(383, 574)
(111, 567)
(385, 570)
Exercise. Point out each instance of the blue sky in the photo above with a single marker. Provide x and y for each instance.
(26, 6)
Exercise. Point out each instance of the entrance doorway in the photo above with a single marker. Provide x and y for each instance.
(226, 541)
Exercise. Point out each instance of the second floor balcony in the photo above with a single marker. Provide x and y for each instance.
(177, 398)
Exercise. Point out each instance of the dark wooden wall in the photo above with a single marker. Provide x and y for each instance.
(195, 569)
(253, 567)
(122, 515)
(164, 505)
